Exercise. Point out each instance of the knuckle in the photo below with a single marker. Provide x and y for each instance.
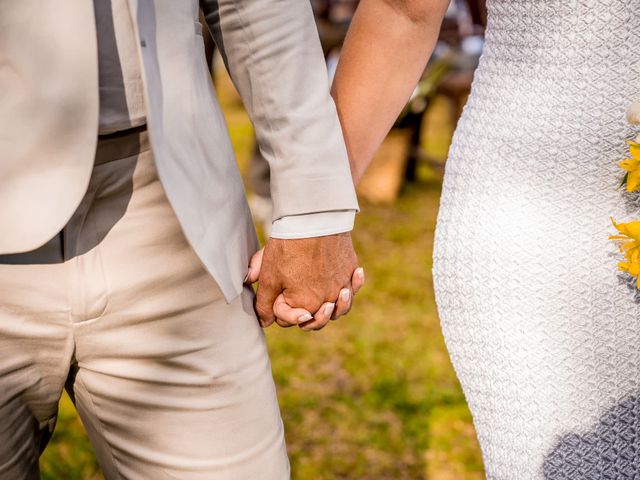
(311, 304)
(264, 312)
(334, 293)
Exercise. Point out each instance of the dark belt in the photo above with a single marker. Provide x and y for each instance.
(121, 144)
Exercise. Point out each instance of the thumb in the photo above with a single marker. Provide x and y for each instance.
(255, 265)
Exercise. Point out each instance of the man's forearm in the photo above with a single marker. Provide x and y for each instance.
(273, 53)
(385, 52)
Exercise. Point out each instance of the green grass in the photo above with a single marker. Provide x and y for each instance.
(372, 396)
(69, 455)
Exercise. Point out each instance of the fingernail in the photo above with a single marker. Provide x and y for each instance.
(246, 277)
(305, 318)
(328, 309)
(360, 273)
(345, 294)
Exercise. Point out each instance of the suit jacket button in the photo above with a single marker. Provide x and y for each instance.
(143, 43)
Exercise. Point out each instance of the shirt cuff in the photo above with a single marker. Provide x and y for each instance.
(316, 224)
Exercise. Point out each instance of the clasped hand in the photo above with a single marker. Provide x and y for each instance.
(305, 282)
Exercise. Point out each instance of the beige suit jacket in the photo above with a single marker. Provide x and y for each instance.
(49, 118)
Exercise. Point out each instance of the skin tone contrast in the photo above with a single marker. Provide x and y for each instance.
(386, 50)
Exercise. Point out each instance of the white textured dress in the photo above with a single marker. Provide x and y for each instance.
(543, 331)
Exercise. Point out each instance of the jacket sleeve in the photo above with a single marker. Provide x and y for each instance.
(272, 51)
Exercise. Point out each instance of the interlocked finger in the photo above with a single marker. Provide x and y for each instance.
(320, 318)
(343, 303)
(357, 280)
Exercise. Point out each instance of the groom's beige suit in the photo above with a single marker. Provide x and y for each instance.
(125, 253)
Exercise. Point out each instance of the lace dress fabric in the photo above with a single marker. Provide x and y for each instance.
(543, 331)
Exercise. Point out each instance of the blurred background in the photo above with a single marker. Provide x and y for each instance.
(374, 395)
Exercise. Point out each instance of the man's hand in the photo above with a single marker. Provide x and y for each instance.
(304, 276)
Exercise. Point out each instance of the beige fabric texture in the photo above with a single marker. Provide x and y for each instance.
(49, 118)
(171, 381)
(122, 107)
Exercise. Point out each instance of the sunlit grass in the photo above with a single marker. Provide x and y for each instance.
(69, 456)
(373, 396)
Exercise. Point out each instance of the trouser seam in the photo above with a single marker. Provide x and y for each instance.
(99, 424)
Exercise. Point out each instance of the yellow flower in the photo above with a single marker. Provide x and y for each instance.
(632, 268)
(632, 167)
(629, 238)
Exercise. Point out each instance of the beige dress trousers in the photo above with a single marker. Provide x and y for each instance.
(170, 381)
